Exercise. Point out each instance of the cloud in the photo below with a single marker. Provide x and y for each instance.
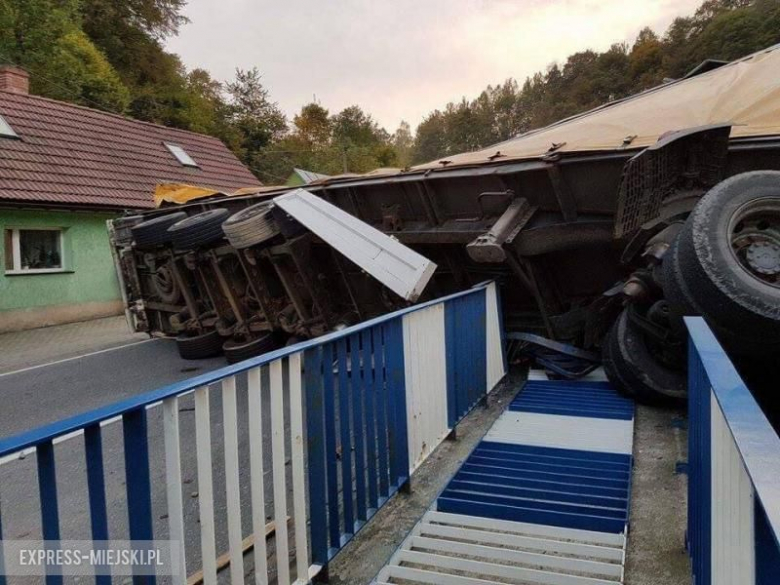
(402, 59)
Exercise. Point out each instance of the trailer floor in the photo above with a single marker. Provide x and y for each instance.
(656, 552)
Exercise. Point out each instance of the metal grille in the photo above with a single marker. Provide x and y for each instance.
(467, 550)
(688, 162)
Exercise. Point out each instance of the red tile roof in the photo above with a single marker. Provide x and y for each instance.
(71, 155)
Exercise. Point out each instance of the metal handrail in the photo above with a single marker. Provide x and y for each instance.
(77, 423)
(757, 442)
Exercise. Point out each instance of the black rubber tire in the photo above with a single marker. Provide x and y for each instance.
(288, 225)
(633, 367)
(123, 235)
(703, 276)
(198, 230)
(238, 351)
(609, 356)
(199, 347)
(154, 232)
(251, 226)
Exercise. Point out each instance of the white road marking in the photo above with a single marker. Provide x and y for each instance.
(78, 357)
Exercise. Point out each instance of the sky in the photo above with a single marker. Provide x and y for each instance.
(401, 59)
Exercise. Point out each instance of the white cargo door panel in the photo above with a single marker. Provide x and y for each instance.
(399, 268)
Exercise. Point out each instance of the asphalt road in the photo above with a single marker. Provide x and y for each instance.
(41, 395)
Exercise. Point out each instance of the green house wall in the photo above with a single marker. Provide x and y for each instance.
(87, 288)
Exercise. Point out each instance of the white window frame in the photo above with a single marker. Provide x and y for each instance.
(16, 250)
(181, 155)
(6, 130)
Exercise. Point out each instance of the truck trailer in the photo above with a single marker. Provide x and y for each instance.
(603, 230)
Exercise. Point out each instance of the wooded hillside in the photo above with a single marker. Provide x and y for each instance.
(110, 54)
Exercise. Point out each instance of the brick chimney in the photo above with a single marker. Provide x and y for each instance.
(14, 79)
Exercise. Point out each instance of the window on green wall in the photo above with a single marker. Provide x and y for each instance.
(34, 250)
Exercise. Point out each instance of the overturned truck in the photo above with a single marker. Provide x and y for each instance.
(602, 230)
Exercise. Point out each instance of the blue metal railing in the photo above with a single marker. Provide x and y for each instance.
(734, 472)
(357, 409)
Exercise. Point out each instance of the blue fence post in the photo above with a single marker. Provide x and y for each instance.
(331, 459)
(451, 356)
(700, 461)
(396, 382)
(315, 412)
(380, 392)
(477, 312)
(2, 554)
(767, 549)
(358, 430)
(369, 396)
(346, 440)
(47, 488)
(465, 337)
(96, 489)
(137, 482)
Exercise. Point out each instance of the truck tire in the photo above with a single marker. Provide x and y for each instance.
(251, 226)
(199, 347)
(288, 225)
(198, 230)
(154, 232)
(725, 263)
(238, 351)
(609, 355)
(633, 366)
(123, 235)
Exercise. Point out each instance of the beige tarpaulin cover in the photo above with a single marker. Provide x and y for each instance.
(180, 193)
(745, 92)
(177, 193)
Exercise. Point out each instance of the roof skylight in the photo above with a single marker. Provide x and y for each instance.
(181, 155)
(6, 130)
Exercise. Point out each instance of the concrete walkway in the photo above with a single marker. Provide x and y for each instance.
(23, 349)
(656, 552)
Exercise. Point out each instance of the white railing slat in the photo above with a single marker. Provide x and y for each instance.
(298, 478)
(174, 484)
(205, 485)
(257, 479)
(495, 353)
(233, 492)
(280, 488)
(425, 366)
(733, 532)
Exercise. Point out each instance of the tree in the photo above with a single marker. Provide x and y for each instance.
(430, 141)
(403, 142)
(79, 73)
(353, 127)
(44, 37)
(257, 120)
(646, 60)
(313, 126)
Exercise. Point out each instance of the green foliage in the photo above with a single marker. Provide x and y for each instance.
(79, 73)
(44, 37)
(110, 54)
(402, 141)
(349, 141)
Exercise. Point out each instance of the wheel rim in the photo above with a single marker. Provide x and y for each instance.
(754, 234)
(166, 284)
